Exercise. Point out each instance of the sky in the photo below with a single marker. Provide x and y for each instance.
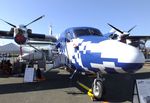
(62, 14)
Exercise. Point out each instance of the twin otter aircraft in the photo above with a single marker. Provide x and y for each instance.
(85, 49)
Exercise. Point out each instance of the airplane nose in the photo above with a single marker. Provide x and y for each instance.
(120, 56)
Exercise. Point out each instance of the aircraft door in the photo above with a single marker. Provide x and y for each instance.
(69, 47)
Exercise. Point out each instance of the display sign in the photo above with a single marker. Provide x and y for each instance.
(143, 89)
(29, 75)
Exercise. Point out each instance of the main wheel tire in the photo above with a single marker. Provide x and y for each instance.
(97, 89)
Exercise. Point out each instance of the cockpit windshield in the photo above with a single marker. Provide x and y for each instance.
(86, 31)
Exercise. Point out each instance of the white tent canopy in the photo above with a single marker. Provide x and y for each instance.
(11, 48)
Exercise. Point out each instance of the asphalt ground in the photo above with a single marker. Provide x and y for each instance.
(58, 88)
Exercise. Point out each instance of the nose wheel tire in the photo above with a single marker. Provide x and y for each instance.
(97, 89)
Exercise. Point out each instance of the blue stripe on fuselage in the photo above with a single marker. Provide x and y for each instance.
(96, 58)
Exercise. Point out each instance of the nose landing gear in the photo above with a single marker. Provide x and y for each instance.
(97, 86)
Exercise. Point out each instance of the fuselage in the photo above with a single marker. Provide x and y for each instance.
(85, 49)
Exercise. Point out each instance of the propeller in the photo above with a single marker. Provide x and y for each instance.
(125, 34)
(26, 24)
(21, 33)
(35, 20)
(9, 23)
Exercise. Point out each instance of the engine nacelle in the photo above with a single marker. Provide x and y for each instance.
(29, 31)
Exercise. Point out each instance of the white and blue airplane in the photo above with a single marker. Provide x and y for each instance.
(86, 49)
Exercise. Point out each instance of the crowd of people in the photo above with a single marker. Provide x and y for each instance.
(17, 68)
(6, 67)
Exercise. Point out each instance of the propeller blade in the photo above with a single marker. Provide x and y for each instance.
(35, 20)
(131, 28)
(9, 23)
(116, 28)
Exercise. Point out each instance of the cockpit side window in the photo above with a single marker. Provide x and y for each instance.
(69, 36)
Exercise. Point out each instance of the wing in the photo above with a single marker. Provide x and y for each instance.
(138, 41)
(31, 36)
(6, 35)
(41, 37)
(137, 38)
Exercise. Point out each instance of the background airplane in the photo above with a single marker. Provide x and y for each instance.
(24, 36)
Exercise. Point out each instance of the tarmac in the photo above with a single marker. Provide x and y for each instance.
(58, 88)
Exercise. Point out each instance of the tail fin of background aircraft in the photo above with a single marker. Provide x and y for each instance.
(50, 30)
